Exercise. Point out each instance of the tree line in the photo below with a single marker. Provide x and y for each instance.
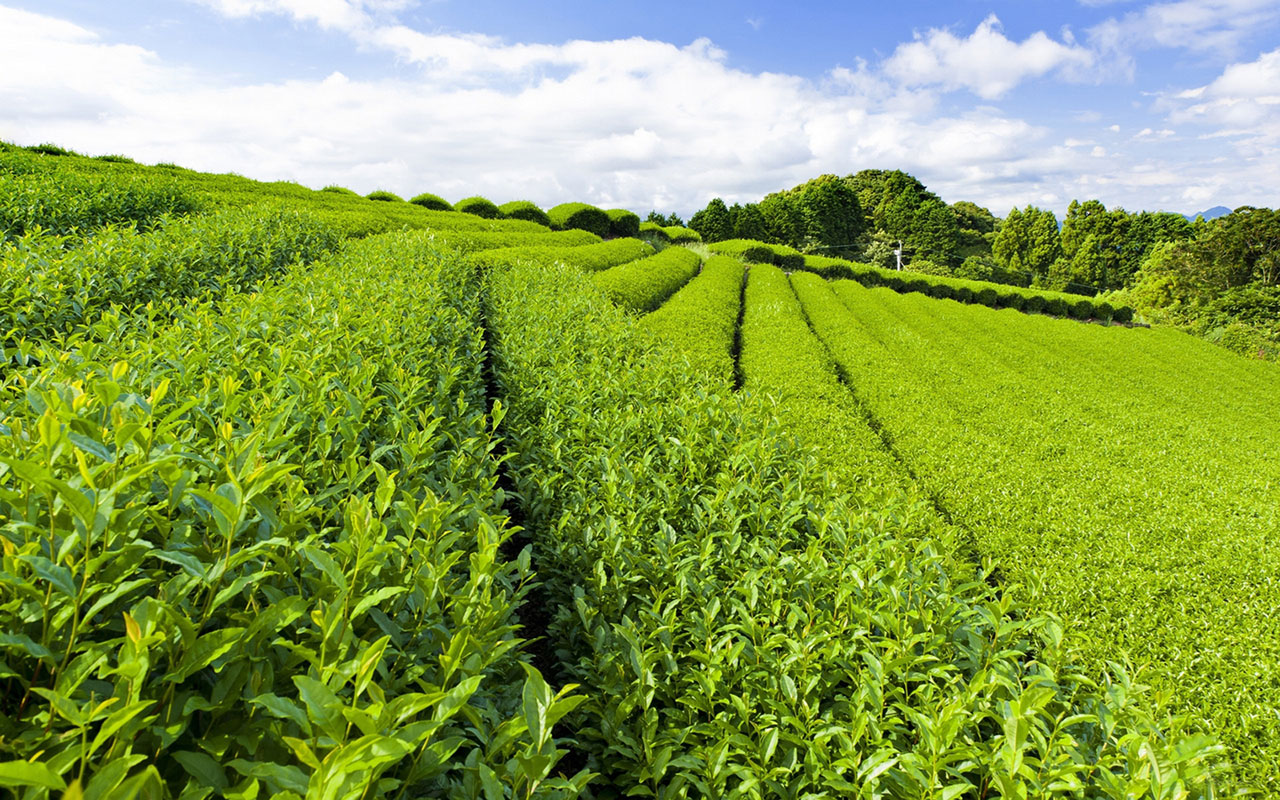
(1215, 276)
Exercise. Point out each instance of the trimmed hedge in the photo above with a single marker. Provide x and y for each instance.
(592, 257)
(623, 223)
(433, 202)
(654, 230)
(580, 215)
(788, 258)
(526, 210)
(384, 196)
(478, 206)
(701, 320)
(472, 241)
(645, 284)
(993, 295)
(680, 235)
(335, 189)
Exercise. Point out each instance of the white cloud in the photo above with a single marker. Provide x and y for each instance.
(1199, 25)
(634, 123)
(1244, 100)
(986, 62)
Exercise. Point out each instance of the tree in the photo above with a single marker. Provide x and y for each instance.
(713, 223)
(976, 229)
(783, 219)
(1027, 242)
(831, 213)
(749, 223)
(670, 219)
(934, 233)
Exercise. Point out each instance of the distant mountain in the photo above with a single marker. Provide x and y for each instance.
(1212, 213)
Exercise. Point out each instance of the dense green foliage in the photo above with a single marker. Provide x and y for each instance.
(654, 233)
(471, 241)
(478, 206)
(384, 196)
(788, 258)
(48, 286)
(1153, 453)
(680, 235)
(701, 319)
(257, 550)
(431, 201)
(644, 284)
(524, 209)
(623, 222)
(591, 257)
(66, 203)
(580, 215)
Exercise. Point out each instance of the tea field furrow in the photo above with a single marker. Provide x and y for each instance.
(646, 283)
(700, 321)
(257, 548)
(742, 624)
(1141, 509)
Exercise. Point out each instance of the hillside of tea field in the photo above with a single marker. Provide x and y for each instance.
(305, 494)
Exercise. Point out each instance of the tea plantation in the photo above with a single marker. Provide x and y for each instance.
(310, 495)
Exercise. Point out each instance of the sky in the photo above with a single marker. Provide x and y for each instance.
(1166, 105)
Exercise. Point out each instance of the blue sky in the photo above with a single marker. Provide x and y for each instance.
(1171, 104)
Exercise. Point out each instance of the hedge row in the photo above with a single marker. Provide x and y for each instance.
(671, 234)
(701, 319)
(257, 552)
(524, 209)
(623, 223)
(592, 257)
(645, 284)
(432, 202)
(63, 202)
(580, 215)
(742, 627)
(472, 241)
(751, 251)
(48, 287)
(478, 206)
(995, 295)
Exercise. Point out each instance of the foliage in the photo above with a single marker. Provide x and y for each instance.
(623, 223)
(1147, 446)
(433, 202)
(65, 203)
(338, 189)
(654, 233)
(246, 558)
(646, 283)
(591, 257)
(679, 235)
(48, 288)
(665, 221)
(478, 206)
(1027, 242)
(384, 196)
(748, 222)
(701, 320)
(579, 215)
(713, 223)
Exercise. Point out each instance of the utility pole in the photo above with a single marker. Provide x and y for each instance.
(898, 254)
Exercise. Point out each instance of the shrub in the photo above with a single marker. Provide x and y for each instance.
(432, 201)
(1103, 310)
(942, 291)
(1014, 300)
(645, 284)
(526, 210)
(682, 235)
(1123, 315)
(964, 294)
(1055, 306)
(50, 149)
(745, 250)
(1080, 309)
(580, 215)
(987, 297)
(115, 159)
(335, 189)
(477, 206)
(384, 196)
(623, 222)
(1035, 304)
(652, 231)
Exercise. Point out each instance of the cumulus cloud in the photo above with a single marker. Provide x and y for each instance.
(634, 123)
(986, 62)
(1218, 26)
(1243, 101)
